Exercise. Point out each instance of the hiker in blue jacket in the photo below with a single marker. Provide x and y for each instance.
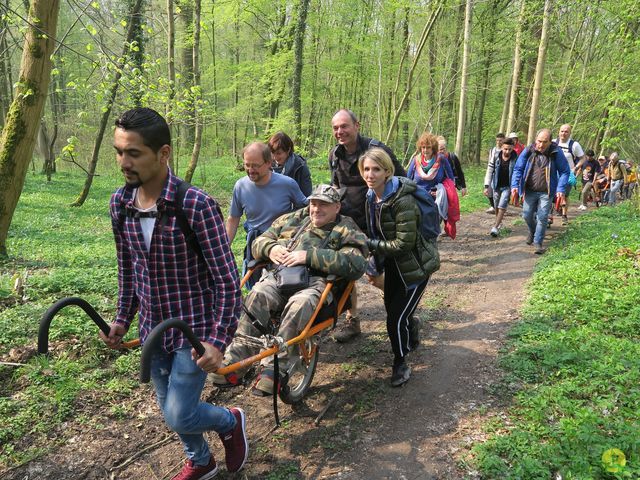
(540, 176)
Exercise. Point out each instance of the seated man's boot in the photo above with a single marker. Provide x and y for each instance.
(232, 379)
(348, 330)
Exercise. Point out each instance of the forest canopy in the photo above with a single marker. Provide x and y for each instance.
(242, 70)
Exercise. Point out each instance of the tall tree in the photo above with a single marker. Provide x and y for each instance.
(106, 109)
(517, 66)
(137, 51)
(185, 16)
(197, 95)
(171, 67)
(5, 66)
(537, 85)
(23, 119)
(462, 110)
(424, 36)
(487, 53)
(298, 45)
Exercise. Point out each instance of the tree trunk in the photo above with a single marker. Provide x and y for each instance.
(517, 67)
(585, 66)
(236, 92)
(46, 146)
(171, 65)
(298, 50)
(187, 130)
(423, 38)
(197, 141)
(23, 119)
(449, 97)
(391, 30)
(312, 129)
(567, 75)
(137, 55)
(106, 109)
(486, 71)
(274, 84)
(214, 80)
(505, 107)
(462, 110)
(5, 67)
(537, 85)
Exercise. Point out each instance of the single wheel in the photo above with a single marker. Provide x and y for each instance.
(301, 371)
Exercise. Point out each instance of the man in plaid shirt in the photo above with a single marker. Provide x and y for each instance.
(160, 276)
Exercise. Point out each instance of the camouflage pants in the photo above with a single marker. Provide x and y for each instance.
(264, 302)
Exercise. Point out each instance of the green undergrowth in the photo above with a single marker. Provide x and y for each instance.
(576, 359)
(475, 199)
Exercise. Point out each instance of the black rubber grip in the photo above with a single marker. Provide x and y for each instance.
(153, 341)
(45, 323)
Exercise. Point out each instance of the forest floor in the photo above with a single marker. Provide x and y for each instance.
(423, 430)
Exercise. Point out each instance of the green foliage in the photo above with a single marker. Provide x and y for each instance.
(577, 357)
(474, 200)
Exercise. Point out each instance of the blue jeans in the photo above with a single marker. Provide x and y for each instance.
(535, 211)
(501, 197)
(179, 383)
(616, 185)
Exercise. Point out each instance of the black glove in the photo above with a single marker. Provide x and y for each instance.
(372, 244)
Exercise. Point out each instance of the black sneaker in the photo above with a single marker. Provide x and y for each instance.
(400, 374)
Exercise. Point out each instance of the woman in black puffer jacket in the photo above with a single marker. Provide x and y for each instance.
(409, 259)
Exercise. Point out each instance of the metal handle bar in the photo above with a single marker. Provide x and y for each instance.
(45, 323)
(152, 344)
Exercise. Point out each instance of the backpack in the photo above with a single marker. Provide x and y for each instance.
(429, 216)
(569, 147)
(181, 219)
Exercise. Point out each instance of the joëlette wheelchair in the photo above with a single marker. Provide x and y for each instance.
(294, 382)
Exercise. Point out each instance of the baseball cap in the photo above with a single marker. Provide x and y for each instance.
(513, 135)
(326, 193)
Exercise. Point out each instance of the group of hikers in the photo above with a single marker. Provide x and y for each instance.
(540, 177)
(375, 219)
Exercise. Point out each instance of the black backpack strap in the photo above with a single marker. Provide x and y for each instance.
(122, 206)
(181, 219)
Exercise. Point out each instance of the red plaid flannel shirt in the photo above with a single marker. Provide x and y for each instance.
(170, 280)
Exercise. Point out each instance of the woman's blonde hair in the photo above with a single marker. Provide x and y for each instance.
(379, 156)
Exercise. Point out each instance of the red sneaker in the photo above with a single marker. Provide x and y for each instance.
(236, 448)
(195, 472)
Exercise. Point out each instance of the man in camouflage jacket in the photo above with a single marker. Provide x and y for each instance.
(316, 236)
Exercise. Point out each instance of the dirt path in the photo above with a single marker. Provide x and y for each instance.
(369, 430)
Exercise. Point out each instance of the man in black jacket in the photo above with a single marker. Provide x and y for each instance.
(343, 162)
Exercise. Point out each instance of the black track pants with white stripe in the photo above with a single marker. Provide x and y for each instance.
(400, 305)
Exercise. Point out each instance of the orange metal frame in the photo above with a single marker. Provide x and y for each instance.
(309, 330)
